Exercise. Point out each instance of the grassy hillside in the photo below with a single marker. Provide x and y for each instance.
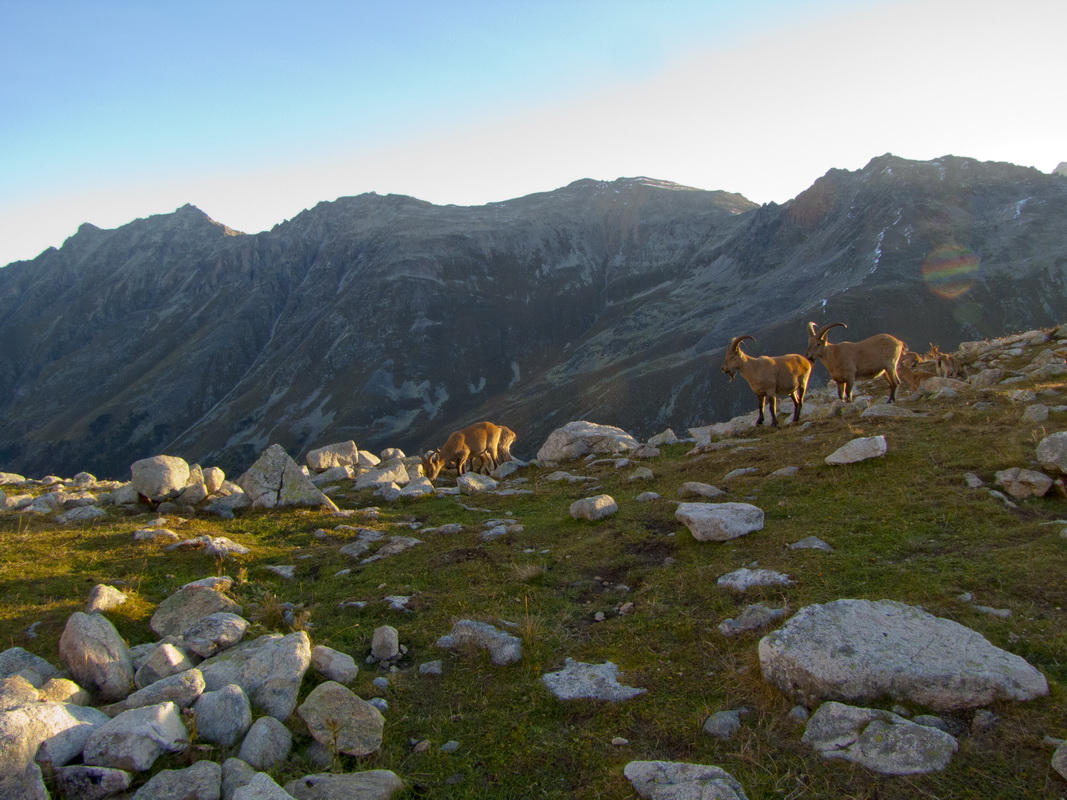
(903, 527)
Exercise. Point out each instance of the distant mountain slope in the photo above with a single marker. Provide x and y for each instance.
(392, 321)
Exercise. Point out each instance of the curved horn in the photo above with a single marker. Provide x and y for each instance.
(813, 329)
(825, 329)
(736, 341)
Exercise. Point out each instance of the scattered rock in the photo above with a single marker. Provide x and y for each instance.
(503, 647)
(697, 489)
(577, 439)
(595, 681)
(858, 450)
(341, 720)
(1021, 483)
(741, 580)
(719, 522)
(752, 618)
(878, 740)
(811, 543)
(375, 784)
(673, 780)
(594, 508)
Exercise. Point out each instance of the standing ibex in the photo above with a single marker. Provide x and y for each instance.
(479, 440)
(769, 377)
(848, 362)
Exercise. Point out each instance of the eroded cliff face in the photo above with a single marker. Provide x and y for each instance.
(392, 321)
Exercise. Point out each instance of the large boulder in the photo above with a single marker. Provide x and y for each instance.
(201, 781)
(160, 477)
(97, 656)
(1052, 452)
(338, 454)
(51, 732)
(338, 718)
(577, 439)
(852, 650)
(275, 481)
(135, 739)
(269, 668)
(224, 716)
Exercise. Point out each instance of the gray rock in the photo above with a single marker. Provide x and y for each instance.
(54, 733)
(594, 508)
(752, 618)
(135, 739)
(156, 536)
(267, 744)
(741, 580)
(503, 647)
(647, 497)
(338, 454)
(858, 450)
(96, 656)
(1059, 760)
(719, 522)
(889, 410)
(201, 781)
(473, 483)
(182, 689)
(16, 660)
(17, 691)
(235, 774)
(667, 437)
(334, 665)
(697, 489)
(385, 643)
(269, 668)
(261, 787)
(395, 545)
(852, 650)
(878, 740)
(183, 609)
(375, 784)
(103, 598)
(160, 477)
(1052, 452)
(62, 690)
(811, 543)
(577, 439)
(595, 681)
(417, 487)
(1035, 413)
(1021, 483)
(641, 474)
(723, 724)
(275, 481)
(215, 633)
(383, 475)
(91, 783)
(674, 780)
(341, 720)
(784, 472)
(223, 716)
(81, 514)
(165, 660)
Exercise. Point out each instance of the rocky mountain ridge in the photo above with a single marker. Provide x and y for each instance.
(388, 319)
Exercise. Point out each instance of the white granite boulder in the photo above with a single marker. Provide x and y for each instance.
(1021, 483)
(275, 481)
(338, 718)
(1052, 452)
(269, 668)
(473, 483)
(160, 477)
(19, 661)
(878, 740)
(719, 522)
(52, 732)
(96, 656)
(266, 744)
(201, 781)
(183, 609)
(136, 738)
(852, 650)
(577, 439)
(103, 598)
(223, 716)
(594, 508)
(338, 454)
(858, 450)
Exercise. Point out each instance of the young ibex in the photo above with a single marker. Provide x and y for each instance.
(848, 362)
(906, 369)
(769, 377)
(947, 366)
(479, 440)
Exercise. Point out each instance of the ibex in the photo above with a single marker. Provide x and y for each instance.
(769, 376)
(848, 362)
(479, 440)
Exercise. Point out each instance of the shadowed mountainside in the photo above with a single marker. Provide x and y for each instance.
(388, 320)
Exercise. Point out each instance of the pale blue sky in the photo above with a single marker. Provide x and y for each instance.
(255, 110)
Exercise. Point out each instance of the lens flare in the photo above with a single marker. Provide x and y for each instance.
(950, 271)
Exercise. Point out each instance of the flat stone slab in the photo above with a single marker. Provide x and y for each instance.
(594, 681)
(878, 740)
(674, 780)
(851, 650)
(719, 522)
(858, 450)
(741, 580)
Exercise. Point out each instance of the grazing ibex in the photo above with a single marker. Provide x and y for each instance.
(848, 362)
(769, 377)
(906, 370)
(947, 366)
(479, 440)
